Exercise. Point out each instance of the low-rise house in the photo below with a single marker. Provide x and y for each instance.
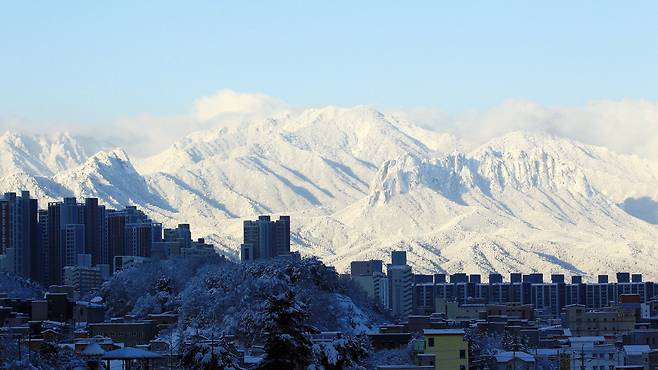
(515, 310)
(642, 336)
(448, 346)
(389, 340)
(131, 333)
(88, 312)
(637, 355)
(592, 322)
(515, 360)
(593, 353)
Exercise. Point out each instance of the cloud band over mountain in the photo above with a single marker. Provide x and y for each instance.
(626, 126)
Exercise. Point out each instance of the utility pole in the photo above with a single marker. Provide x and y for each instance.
(171, 349)
(212, 346)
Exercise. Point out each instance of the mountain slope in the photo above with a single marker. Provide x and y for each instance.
(43, 155)
(321, 159)
(489, 211)
(110, 176)
(358, 184)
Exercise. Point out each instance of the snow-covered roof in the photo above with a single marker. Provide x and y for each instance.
(89, 304)
(586, 339)
(96, 300)
(546, 351)
(129, 353)
(508, 356)
(443, 331)
(637, 349)
(253, 359)
(93, 349)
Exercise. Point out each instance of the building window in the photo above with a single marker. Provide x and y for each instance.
(430, 342)
(462, 353)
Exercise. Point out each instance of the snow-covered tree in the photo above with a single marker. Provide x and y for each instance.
(18, 287)
(483, 344)
(288, 344)
(152, 287)
(235, 297)
(49, 356)
(397, 356)
(513, 342)
(342, 353)
(213, 355)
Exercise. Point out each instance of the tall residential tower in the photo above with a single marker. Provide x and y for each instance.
(265, 239)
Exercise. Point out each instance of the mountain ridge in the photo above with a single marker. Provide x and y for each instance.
(359, 183)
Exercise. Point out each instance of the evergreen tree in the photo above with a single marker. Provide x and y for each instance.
(342, 353)
(511, 342)
(288, 344)
(209, 356)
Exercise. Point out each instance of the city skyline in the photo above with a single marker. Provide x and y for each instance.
(455, 321)
(301, 185)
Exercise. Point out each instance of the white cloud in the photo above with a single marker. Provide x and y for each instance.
(231, 102)
(145, 135)
(626, 126)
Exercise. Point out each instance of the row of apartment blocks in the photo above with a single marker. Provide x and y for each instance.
(82, 244)
(405, 293)
(548, 298)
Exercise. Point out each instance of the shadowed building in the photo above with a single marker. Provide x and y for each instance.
(265, 239)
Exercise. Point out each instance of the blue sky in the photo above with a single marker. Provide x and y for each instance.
(96, 62)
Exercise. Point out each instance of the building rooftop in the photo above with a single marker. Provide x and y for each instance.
(508, 356)
(129, 353)
(637, 349)
(547, 351)
(443, 332)
(93, 349)
(587, 339)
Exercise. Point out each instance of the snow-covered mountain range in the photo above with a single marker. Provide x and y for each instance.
(359, 183)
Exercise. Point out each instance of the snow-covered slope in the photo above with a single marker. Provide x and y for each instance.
(43, 155)
(320, 159)
(110, 176)
(358, 184)
(514, 208)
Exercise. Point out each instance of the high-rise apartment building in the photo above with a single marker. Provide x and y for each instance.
(264, 239)
(139, 239)
(180, 234)
(73, 243)
(400, 284)
(369, 276)
(124, 235)
(95, 231)
(64, 241)
(44, 257)
(19, 235)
